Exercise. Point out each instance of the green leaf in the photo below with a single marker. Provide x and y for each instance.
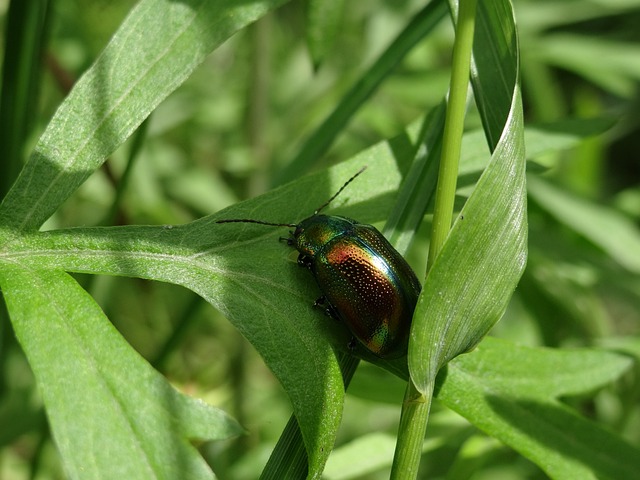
(363, 456)
(19, 414)
(323, 23)
(112, 415)
(418, 187)
(156, 48)
(511, 393)
(547, 16)
(469, 285)
(269, 301)
(417, 191)
(495, 75)
(373, 452)
(154, 51)
(618, 62)
(614, 233)
(316, 145)
(26, 34)
(558, 136)
(629, 345)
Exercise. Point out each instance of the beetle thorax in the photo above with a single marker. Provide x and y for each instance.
(313, 233)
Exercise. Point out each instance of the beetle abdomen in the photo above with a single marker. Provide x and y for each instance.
(371, 287)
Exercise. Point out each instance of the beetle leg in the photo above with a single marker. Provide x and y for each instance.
(353, 343)
(305, 261)
(287, 240)
(328, 309)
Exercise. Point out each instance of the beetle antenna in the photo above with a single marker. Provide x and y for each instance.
(324, 205)
(259, 222)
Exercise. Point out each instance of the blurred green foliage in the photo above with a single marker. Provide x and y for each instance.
(245, 113)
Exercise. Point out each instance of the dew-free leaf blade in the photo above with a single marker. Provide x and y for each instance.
(511, 393)
(318, 143)
(619, 62)
(562, 135)
(111, 414)
(558, 372)
(323, 22)
(495, 68)
(470, 283)
(156, 48)
(269, 300)
(605, 227)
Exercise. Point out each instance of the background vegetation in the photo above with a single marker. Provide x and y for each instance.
(236, 128)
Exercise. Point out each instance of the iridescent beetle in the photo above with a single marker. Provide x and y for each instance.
(364, 281)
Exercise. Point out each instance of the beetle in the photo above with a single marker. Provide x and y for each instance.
(365, 282)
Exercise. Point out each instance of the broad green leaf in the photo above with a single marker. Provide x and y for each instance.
(511, 393)
(469, 285)
(605, 227)
(541, 373)
(249, 275)
(112, 415)
(156, 48)
(154, 51)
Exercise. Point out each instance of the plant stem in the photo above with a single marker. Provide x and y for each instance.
(416, 405)
(453, 128)
(413, 425)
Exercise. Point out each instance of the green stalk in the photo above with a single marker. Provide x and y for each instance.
(416, 405)
(411, 431)
(453, 129)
